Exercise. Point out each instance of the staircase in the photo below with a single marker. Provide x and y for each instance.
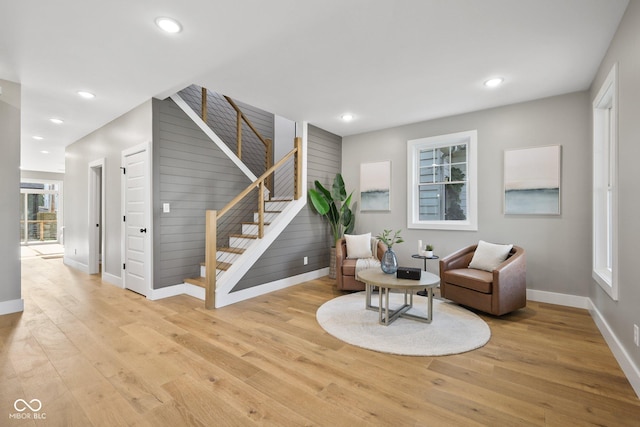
(226, 263)
(240, 243)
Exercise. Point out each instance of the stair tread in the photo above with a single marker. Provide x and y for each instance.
(219, 265)
(255, 223)
(279, 200)
(232, 250)
(245, 236)
(224, 266)
(196, 281)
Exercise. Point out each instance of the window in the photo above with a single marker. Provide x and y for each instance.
(605, 141)
(39, 206)
(441, 176)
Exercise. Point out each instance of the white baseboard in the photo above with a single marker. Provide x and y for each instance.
(233, 297)
(11, 306)
(198, 292)
(194, 291)
(75, 264)
(556, 298)
(630, 370)
(112, 280)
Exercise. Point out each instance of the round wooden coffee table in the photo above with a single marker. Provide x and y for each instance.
(386, 282)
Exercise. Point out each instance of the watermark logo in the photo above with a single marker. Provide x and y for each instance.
(34, 406)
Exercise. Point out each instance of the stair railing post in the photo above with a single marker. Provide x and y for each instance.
(239, 134)
(210, 259)
(297, 169)
(203, 105)
(261, 210)
(268, 162)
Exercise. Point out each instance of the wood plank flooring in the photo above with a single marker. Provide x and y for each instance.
(96, 355)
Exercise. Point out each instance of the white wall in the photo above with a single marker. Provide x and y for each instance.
(558, 247)
(10, 291)
(132, 128)
(621, 315)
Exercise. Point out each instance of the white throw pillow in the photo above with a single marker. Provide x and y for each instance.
(358, 245)
(489, 255)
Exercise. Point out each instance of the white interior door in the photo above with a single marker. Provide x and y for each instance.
(137, 229)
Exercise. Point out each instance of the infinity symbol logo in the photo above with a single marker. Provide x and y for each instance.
(37, 405)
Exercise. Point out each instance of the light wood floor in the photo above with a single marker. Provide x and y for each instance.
(96, 355)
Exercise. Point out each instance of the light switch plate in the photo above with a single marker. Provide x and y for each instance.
(166, 207)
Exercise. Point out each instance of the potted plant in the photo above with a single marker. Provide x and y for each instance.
(389, 262)
(428, 251)
(334, 206)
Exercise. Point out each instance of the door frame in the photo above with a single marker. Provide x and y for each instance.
(148, 249)
(97, 168)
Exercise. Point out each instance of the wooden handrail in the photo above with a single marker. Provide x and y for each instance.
(256, 183)
(213, 216)
(246, 120)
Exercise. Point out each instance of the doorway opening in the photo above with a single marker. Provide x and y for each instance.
(96, 216)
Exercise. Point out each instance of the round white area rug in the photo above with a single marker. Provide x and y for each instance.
(453, 329)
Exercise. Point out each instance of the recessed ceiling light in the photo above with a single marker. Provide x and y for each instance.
(56, 121)
(347, 117)
(497, 81)
(44, 152)
(38, 138)
(169, 25)
(85, 94)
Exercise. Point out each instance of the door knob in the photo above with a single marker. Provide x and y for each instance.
(143, 230)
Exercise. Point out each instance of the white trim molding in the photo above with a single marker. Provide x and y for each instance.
(11, 306)
(559, 299)
(631, 371)
(75, 264)
(198, 292)
(112, 279)
(254, 291)
(414, 149)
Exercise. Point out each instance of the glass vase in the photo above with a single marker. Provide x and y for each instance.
(389, 262)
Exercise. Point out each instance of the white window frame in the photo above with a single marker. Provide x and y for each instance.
(605, 188)
(414, 147)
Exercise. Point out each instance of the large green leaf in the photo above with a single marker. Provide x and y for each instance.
(319, 202)
(326, 194)
(339, 193)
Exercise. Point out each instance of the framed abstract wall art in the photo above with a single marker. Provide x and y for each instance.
(375, 186)
(532, 181)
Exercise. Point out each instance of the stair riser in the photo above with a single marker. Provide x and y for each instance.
(203, 272)
(239, 242)
(227, 257)
(252, 229)
(275, 205)
(268, 216)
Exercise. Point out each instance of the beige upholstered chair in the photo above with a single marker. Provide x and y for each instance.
(496, 292)
(346, 267)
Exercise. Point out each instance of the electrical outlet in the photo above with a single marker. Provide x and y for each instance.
(636, 335)
(305, 260)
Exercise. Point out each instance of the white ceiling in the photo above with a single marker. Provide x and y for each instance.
(388, 62)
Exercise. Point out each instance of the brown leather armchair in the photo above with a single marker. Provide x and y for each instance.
(498, 292)
(346, 267)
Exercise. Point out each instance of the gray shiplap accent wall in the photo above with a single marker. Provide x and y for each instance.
(222, 118)
(192, 174)
(308, 234)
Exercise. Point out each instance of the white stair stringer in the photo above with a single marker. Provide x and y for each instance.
(226, 281)
(213, 136)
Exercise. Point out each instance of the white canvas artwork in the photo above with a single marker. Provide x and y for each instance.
(532, 181)
(375, 185)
